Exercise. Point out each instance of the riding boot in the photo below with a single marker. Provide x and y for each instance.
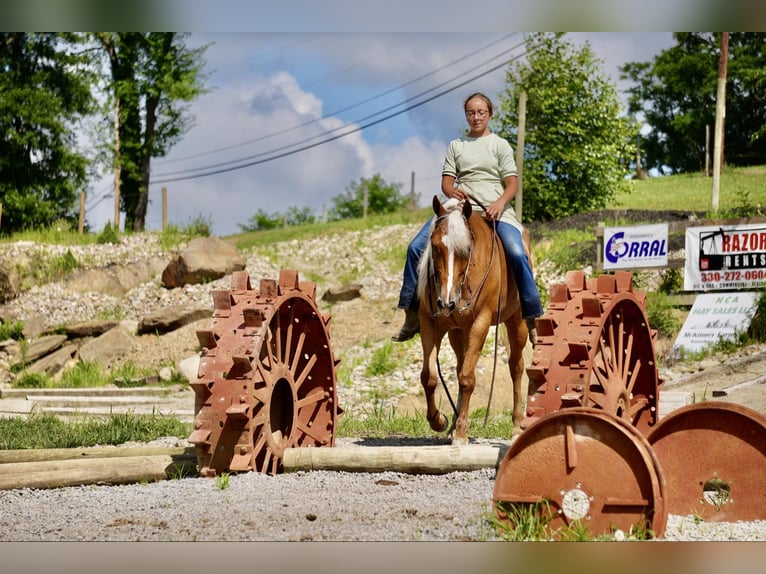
(409, 328)
(532, 330)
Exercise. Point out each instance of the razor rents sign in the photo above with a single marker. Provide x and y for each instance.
(729, 257)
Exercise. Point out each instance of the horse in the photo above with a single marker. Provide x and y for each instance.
(464, 287)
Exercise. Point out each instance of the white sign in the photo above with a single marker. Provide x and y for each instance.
(635, 247)
(715, 316)
(725, 257)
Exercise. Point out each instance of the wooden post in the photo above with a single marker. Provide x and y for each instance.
(164, 208)
(1, 214)
(117, 165)
(707, 150)
(720, 114)
(81, 221)
(406, 459)
(520, 151)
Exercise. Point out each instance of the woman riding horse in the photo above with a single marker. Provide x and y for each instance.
(479, 166)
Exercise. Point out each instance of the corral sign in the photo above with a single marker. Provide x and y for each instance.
(635, 247)
(725, 257)
(715, 316)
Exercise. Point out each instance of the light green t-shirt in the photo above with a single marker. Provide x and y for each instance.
(479, 166)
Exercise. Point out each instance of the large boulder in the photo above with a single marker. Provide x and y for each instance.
(204, 259)
(105, 349)
(115, 280)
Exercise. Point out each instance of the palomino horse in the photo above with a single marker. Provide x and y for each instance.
(464, 287)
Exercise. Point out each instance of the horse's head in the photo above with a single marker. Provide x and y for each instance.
(445, 261)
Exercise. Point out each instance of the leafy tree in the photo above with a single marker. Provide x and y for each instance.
(152, 77)
(44, 93)
(578, 148)
(676, 95)
(260, 221)
(299, 216)
(382, 197)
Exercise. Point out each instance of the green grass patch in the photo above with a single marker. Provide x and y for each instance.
(47, 431)
(741, 192)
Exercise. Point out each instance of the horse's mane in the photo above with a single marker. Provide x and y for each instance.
(457, 235)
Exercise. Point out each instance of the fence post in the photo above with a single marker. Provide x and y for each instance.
(164, 208)
(1, 214)
(600, 245)
(81, 221)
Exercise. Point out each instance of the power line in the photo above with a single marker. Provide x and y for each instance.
(347, 108)
(251, 160)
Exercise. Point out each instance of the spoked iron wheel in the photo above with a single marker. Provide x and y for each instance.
(714, 458)
(595, 349)
(266, 379)
(581, 465)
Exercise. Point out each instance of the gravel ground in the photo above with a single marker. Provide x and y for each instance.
(301, 506)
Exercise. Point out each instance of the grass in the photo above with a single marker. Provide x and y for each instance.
(86, 374)
(740, 189)
(47, 431)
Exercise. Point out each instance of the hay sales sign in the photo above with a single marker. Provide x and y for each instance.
(635, 247)
(725, 257)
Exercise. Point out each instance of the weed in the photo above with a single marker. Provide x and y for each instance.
(11, 330)
(30, 380)
(222, 481)
(382, 361)
(110, 234)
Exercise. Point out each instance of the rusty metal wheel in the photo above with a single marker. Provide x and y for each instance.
(595, 349)
(582, 465)
(266, 379)
(713, 455)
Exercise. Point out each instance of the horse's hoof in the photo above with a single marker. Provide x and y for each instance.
(457, 441)
(439, 424)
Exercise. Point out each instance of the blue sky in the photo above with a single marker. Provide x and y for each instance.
(272, 93)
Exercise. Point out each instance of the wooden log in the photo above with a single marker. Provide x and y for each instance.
(405, 459)
(38, 454)
(114, 470)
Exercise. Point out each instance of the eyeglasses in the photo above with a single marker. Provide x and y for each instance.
(479, 113)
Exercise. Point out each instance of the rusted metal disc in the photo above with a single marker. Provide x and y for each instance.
(713, 455)
(266, 380)
(595, 349)
(582, 464)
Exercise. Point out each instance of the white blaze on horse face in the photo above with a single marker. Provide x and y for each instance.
(450, 263)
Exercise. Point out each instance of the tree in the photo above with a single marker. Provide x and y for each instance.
(382, 197)
(676, 95)
(44, 93)
(152, 77)
(578, 148)
(294, 216)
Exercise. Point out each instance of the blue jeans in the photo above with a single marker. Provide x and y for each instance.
(517, 259)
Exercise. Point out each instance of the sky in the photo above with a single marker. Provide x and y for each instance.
(292, 119)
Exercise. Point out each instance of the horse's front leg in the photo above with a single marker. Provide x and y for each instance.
(428, 375)
(472, 345)
(517, 339)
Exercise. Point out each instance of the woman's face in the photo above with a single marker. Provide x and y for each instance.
(477, 115)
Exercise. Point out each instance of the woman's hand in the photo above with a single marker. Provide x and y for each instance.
(457, 193)
(495, 209)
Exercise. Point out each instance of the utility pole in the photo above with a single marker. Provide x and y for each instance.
(520, 150)
(117, 165)
(720, 116)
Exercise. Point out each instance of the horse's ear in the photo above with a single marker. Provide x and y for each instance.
(467, 209)
(437, 205)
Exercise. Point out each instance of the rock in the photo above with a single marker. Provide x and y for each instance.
(204, 259)
(166, 374)
(344, 293)
(34, 326)
(92, 328)
(40, 347)
(55, 363)
(189, 367)
(115, 280)
(166, 320)
(106, 348)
